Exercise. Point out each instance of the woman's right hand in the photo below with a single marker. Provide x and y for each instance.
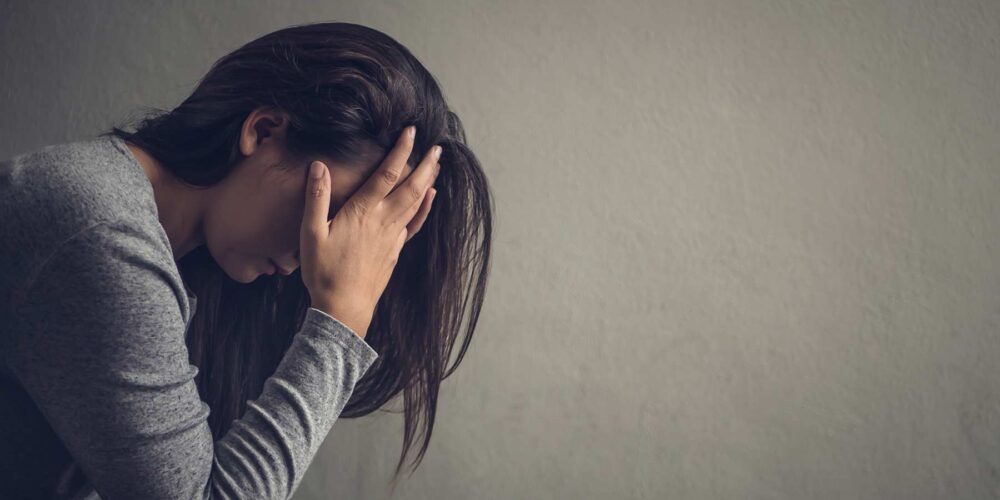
(346, 262)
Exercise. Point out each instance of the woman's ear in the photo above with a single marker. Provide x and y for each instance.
(264, 123)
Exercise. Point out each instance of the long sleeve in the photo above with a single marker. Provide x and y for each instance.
(99, 346)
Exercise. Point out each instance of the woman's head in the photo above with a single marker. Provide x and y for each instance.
(340, 93)
(251, 218)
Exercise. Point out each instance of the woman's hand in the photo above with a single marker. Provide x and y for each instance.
(346, 263)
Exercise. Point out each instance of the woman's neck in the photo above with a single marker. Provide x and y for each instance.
(180, 207)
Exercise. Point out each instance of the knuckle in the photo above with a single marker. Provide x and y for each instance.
(390, 176)
(414, 193)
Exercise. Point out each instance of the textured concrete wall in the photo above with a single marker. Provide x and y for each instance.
(744, 250)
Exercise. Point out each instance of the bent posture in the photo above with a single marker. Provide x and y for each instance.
(190, 306)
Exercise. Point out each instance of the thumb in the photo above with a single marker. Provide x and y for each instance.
(317, 207)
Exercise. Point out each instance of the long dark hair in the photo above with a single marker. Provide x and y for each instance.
(345, 88)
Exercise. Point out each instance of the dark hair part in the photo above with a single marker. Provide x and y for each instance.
(346, 89)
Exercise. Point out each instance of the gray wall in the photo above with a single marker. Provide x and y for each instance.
(744, 250)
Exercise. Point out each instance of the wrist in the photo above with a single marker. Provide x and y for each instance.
(354, 317)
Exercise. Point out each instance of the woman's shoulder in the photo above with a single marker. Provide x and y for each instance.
(90, 178)
(56, 192)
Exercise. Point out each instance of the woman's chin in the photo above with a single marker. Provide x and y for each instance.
(246, 276)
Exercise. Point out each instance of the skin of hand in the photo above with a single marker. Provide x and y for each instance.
(254, 215)
(347, 261)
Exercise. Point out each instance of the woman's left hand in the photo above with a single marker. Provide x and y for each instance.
(418, 220)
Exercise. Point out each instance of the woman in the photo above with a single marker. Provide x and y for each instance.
(184, 319)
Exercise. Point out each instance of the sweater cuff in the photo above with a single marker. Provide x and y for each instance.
(341, 333)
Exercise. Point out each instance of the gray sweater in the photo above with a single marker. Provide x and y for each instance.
(97, 395)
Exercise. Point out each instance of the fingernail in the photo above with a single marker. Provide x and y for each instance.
(437, 151)
(411, 131)
(316, 170)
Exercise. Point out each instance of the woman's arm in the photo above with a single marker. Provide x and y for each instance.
(99, 345)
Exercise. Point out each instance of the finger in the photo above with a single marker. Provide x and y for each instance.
(405, 201)
(407, 172)
(418, 221)
(317, 207)
(385, 178)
